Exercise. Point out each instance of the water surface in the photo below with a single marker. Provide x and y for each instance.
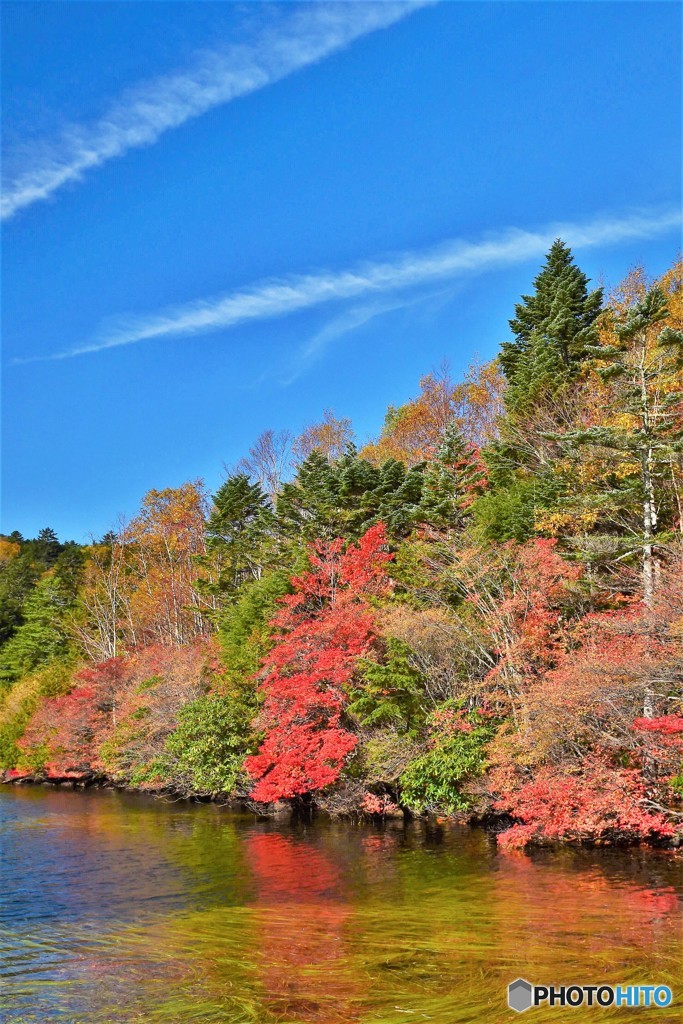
(119, 908)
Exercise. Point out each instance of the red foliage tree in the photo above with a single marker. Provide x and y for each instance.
(661, 749)
(325, 626)
(64, 731)
(593, 800)
(131, 704)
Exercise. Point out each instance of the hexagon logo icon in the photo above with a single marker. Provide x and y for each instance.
(520, 995)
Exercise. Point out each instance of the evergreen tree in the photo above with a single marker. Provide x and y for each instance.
(391, 692)
(46, 548)
(238, 529)
(44, 634)
(243, 628)
(643, 443)
(308, 506)
(17, 578)
(396, 497)
(451, 482)
(552, 329)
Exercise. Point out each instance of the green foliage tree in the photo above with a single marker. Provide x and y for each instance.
(435, 780)
(206, 751)
(238, 529)
(44, 635)
(308, 506)
(451, 483)
(552, 328)
(391, 692)
(17, 578)
(344, 498)
(510, 509)
(243, 627)
(644, 441)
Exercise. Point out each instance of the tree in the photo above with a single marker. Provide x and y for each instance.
(345, 498)
(46, 547)
(390, 691)
(17, 578)
(330, 437)
(104, 599)
(435, 780)
(452, 481)
(308, 506)
(238, 526)
(594, 800)
(44, 635)
(413, 432)
(325, 626)
(62, 737)
(144, 586)
(269, 461)
(244, 633)
(205, 753)
(641, 439)
(163, 542)
(552, 329)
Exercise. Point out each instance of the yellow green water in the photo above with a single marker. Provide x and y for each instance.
(120, 908)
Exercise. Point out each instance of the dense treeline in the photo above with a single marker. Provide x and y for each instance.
(480, 612)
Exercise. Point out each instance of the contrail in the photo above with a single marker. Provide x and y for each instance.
(144, 113)
(280, 297)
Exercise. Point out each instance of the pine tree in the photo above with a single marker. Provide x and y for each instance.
(237, 532)
(552, 329)
(451, 482)
(644, 440)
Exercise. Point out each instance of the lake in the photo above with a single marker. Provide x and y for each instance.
(122, 908)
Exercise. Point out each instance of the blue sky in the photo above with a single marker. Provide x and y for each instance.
(222, 218)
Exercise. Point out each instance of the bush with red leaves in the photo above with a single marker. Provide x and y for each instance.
(324, 627)
(593, 800)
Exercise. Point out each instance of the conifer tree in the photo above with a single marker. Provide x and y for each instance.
(552, 329)
(44, 635)
(308, 507)
(237, 532)
(451, 482)
(643, 438)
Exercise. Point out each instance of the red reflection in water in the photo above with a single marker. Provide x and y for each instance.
(301, 914)
(572, 913)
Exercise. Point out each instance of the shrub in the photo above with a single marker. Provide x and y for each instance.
(205, 753)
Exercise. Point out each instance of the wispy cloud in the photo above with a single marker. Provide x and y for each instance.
(349, 321)
(303, 36)
(371, 280)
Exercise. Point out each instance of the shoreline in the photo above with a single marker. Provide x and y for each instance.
(489, 822)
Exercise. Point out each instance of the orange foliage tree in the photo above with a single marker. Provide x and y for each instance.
(413, 432)
(141, 585)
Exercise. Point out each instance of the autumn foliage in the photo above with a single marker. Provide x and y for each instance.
(324, 627)
(479, 613)
(595, 800)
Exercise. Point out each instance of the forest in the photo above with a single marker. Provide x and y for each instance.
(477, 615)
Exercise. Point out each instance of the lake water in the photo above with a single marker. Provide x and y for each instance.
(118, 908)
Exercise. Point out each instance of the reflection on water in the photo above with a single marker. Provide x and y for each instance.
(119, 909)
